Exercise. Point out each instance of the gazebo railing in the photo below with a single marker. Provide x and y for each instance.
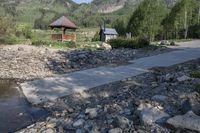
(64, 38)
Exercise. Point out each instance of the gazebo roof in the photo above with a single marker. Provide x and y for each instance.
(63, 22)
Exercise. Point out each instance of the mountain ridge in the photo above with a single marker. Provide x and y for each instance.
(40, 12)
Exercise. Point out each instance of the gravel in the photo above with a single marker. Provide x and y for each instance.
(116, 106)
(25, 62)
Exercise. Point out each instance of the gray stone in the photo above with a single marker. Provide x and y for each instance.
(186, 106)
(150, 115)
(115, 130)
(183, 78)
(169, 77)
(48, 131)
(159, 98)
(92, 112)
(106, 46)
(78, 123)
(189, 121)
(79, 131)
(20, 49)
(121, 121)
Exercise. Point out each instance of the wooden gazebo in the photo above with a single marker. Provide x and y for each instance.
(63, 23)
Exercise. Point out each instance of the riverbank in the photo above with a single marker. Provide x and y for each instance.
(25, 62)
(161, 101)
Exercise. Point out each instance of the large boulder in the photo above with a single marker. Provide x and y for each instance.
(106, 46)
(189, 121)
(150, 115)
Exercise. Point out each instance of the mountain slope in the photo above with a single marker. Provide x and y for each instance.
(109, 6)
(41, 12)
(30, 10)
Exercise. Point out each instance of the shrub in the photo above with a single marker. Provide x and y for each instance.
(7, 30)
(96, 37)
(9, 39)
(197, 87)
(7, 26)
(36, 42)
(55, 44)
(25, 30)
(195, 74)
(129, 43)
(194, 31)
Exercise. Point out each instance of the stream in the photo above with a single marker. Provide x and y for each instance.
(15, 111)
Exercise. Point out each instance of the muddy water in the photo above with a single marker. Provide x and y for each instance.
(15, 111)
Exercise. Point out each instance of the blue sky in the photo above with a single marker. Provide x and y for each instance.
(82, 1)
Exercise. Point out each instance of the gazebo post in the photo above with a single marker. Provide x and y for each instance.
(63, 33)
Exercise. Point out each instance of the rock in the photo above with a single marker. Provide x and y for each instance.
(159, 98)
(48, 131)
(191, 104)
(115, 130)
(94, 130)
(20, 49)
(172, 43)
(154, 84)
(51, 125)
(183, 78)
(169, 77)
(106, 46)
(79, 131)
(91, 112)
(121, 121)
(78, 123)
(186, 106)
(164, 42)
(150, 115)
(189, 121)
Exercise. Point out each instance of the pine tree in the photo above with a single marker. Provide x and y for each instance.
(147, 18)
(183, 15)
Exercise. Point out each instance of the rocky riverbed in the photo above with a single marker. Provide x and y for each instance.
(166, 100)
(27, 62)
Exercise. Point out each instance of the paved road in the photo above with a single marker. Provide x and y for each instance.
(51, 88)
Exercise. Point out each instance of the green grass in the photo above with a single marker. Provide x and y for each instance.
(84, 39)
(195, 74)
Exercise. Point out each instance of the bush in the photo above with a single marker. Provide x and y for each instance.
(55, 44)
(25, 30)
(194, 31)
(195, 74)
(96, 37)
(197, 87)
(9, 40)
(129, 43)
(7, 26)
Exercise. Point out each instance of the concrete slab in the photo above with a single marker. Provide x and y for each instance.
(52, 88)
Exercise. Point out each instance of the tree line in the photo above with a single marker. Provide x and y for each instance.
(154, 20)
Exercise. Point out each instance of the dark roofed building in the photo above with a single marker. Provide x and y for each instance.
(63, 23)
(107, 33)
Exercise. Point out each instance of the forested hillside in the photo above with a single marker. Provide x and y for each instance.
(40, 13)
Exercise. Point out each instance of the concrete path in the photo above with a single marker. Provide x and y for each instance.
(51, 88)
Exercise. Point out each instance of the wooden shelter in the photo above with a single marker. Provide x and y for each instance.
(63, 23)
